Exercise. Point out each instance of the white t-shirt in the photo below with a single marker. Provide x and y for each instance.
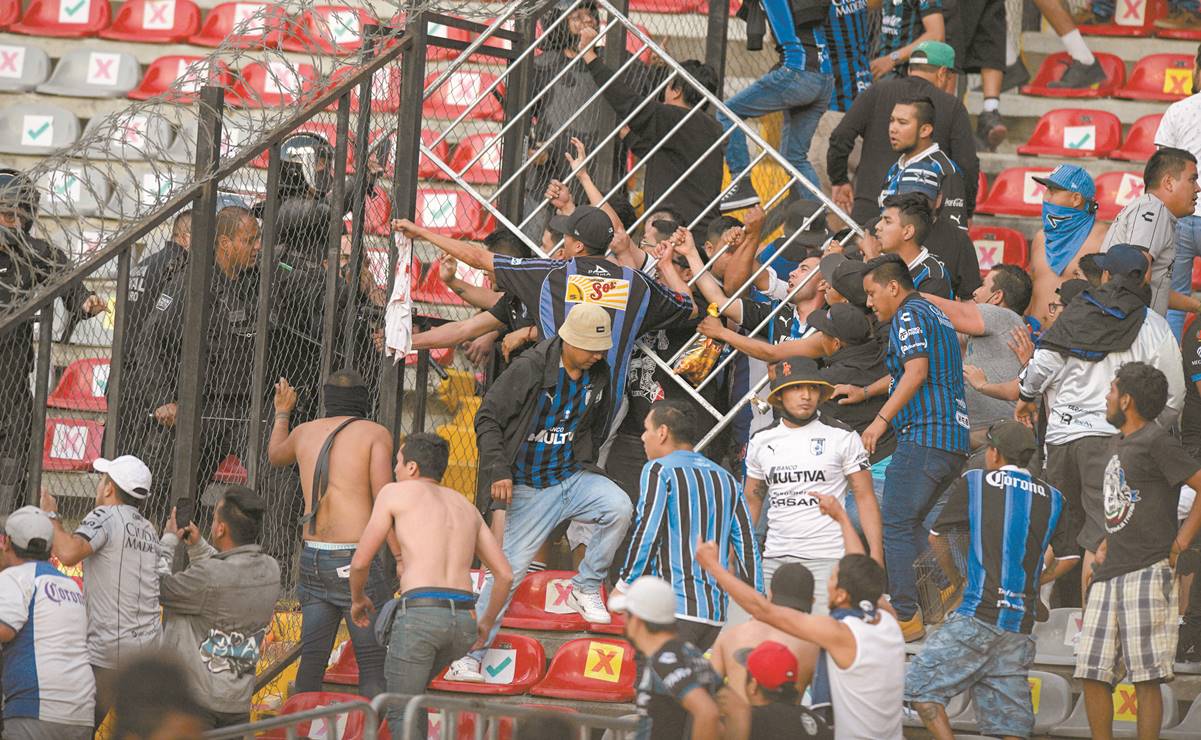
(46, 671)
(867, 694)
(120, 584)
(1180, 127)
(796, 463)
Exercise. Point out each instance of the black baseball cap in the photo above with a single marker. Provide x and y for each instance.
(589, 224)
(842, 321)
(1124, 259)
(1014, 440)
(794, 371)
(846, 275)
(794, 218)
(792, 586)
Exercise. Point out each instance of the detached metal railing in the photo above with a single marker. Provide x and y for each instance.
(492, 203)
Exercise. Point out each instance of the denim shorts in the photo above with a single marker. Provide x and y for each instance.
(966, 654)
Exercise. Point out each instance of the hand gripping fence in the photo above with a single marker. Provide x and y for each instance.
(766, 155)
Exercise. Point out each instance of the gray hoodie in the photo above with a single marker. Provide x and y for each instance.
(216, 613)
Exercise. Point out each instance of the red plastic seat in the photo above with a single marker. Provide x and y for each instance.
(1139, 144)
(332, 29)
(10, 11)
(268, 29)
(231, 470)
(270, 85)
(1074, 132)
(540, 602)
(345, 668)
(73, 19)
(672, 7)
(426, 169)
(1160, 77)
(634, 44)
(981, 186)
(385, 91)
(512, 665)
(459, 94)
(164, 71)
(71, 444)
(1130, 18)
(82, 386)
(377, 212)
(1054, 66)
(997, 245)
(486, 170)
(451, 213)
(154, 21)
(431, 289)
(327, 131)
(590, 669)
(348, 726)
(1115, 190)
(461, 34)
(444, 356)
(1014, 193)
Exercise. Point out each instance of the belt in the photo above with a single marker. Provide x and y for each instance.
(330, 546)
(430, 601)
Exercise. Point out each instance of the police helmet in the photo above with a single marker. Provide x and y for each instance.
(300, 155)
(19, 194)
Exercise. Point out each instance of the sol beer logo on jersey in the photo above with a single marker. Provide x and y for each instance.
(607, 292)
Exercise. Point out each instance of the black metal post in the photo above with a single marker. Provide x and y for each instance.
(362, 185)
(421, 385)
(333, 252)
(41, 389)
(262, 323)
(513, 144)
(610, 161)
(116, 365)
(194, 345)
(404, 202)
(715, 41)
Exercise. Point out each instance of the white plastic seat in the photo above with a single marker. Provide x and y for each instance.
(36, 128)
(22, 67)
(1189, 728)
(955, 708)
(136, 197)
(1057, 637)
(88, 73)
(1124, 720)
(1050, 694)
(74, 191)
(145, 136)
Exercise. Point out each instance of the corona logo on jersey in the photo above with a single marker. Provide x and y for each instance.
(607, 292)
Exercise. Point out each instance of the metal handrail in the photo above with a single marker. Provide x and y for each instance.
(415, 711)
(290, 722)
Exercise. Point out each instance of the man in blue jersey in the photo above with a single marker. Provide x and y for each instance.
(927, 408)
(48, 686)
(904, 25)
(540, 428)
(902, 229)
(911, 135)
(799, 86)
(848, 44)
(684, 492)
(985, 645)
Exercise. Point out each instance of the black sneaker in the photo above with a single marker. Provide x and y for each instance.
(1080, 76)
(742, 195)
(990, 129)
(1016, 75)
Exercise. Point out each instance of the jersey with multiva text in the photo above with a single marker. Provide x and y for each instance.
(936, 416)
(1012, 517)
(847, 41)
(546, 457)
(636, 303)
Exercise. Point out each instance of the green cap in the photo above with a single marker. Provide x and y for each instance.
(933, 53)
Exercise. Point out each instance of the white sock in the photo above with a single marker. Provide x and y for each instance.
(1074, 44)
(992, 104)
(1011, 50)
(536, 567)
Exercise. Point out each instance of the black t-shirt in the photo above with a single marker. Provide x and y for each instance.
(785, 325)
(668, 676)
(511, 312)
(1190, 419)
(954, 248)
(859, 365)
(777, 721)
(930, 276)
(1141, 491)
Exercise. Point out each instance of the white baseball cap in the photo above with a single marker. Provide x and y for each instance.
(128, 472)
(649, 598)
(27, 524)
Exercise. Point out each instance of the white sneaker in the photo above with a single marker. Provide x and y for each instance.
(466, 669)
(590, 605)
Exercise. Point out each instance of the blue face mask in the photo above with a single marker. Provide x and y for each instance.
(1065, 230)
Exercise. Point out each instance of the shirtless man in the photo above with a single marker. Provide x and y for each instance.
(791, 586)
(1070, 231)
(439, 532)
(358, 465)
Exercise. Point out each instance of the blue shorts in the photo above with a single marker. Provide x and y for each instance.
(966, 654)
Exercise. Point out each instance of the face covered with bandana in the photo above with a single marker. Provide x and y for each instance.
(352, 400)
(1065, 226)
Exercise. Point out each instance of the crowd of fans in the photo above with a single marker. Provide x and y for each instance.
(1034, 435)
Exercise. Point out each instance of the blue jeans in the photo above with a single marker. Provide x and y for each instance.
(1188, 248)
(324, 602)
(533, 515)
(802, 96)
(425, 639)
(916, 475)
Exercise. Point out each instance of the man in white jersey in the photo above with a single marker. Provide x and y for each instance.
(48, 687)
(793, 462)
(863, 670)
(119, 549)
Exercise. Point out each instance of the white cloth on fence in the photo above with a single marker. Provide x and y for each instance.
(398, 317)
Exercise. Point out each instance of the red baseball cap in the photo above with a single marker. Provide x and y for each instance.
(771, 664)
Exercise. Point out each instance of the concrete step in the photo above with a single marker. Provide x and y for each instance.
(993, 162)
(1039, 44)
(1017, 106)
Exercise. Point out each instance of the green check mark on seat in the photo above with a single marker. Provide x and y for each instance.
(64, 186)
(73, 9)
(37, 132)
(1080, 144)
(499, 668)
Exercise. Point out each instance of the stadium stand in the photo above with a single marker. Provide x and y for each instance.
(348, 726)
(71, 444)
(1054, 66)
(513, 665)
(154, 21)
(86, 73)
(1056, 638)
(590, 669)
(1189, 727)
(1165, 77)
(1015, 193)
(1139, 144)
(23, 67)
(82, 386)
(1074, 132)
(1125, 713)
(36, 128)
(997, 245)
(270, 23)
(64, 18)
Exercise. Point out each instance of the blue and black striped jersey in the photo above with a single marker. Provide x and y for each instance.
(546, 457)
(800, 48)
(847, 45)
